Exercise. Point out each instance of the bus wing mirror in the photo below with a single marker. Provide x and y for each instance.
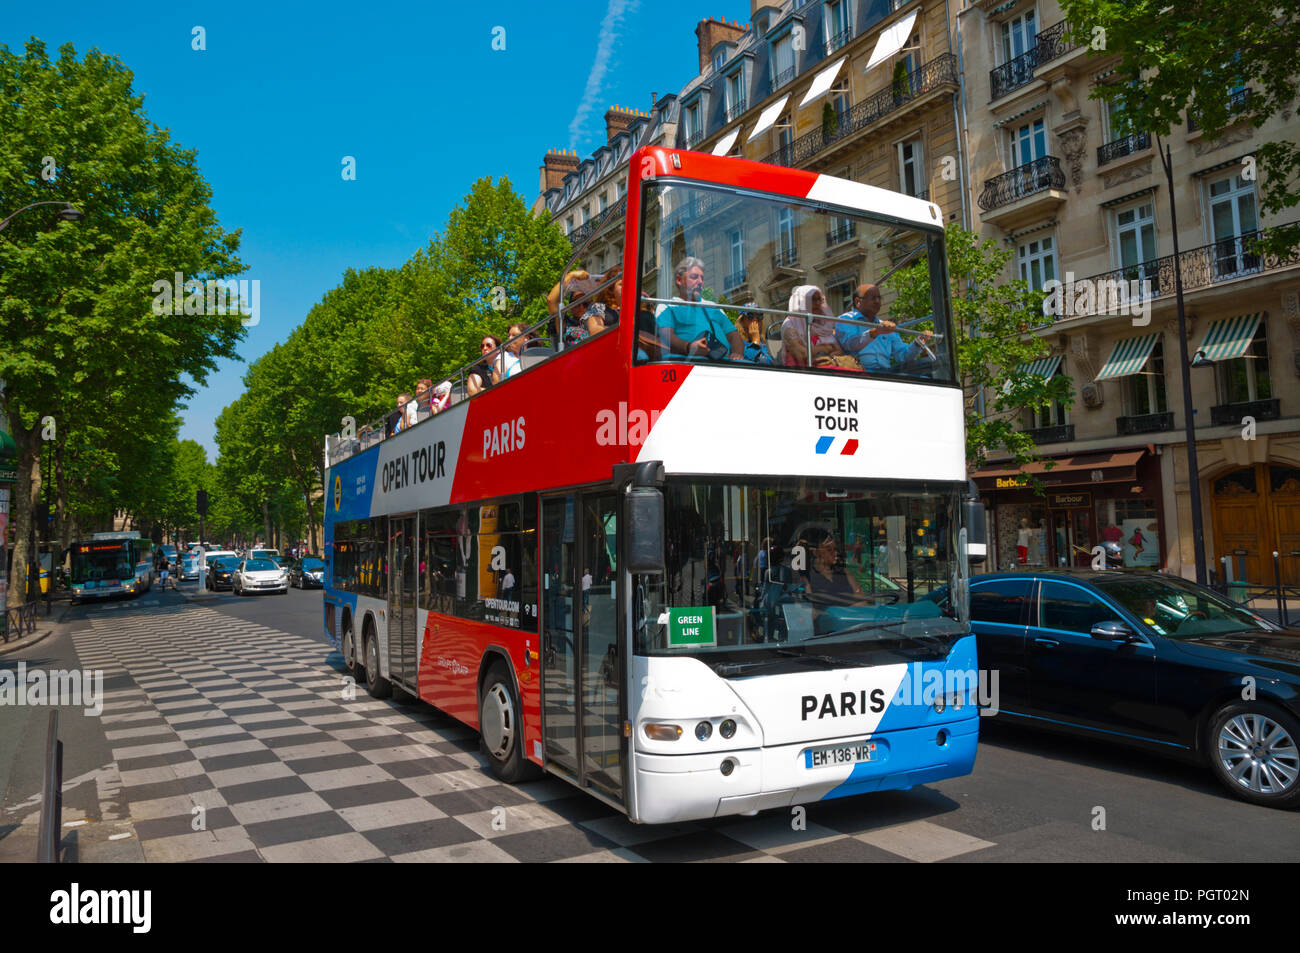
(976, 527)
(645, 522)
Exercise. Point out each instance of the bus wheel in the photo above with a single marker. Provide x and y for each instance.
(375, 684)
(500, 729)
(348, 644)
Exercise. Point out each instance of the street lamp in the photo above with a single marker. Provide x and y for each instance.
(68, 213)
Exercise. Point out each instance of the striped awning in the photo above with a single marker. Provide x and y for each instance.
(1229, 338)
(1129, 357)
(1046, 368)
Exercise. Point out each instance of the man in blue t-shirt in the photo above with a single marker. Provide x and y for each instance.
(880, 348)
(696, 331)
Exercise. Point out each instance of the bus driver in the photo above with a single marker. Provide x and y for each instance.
(696, 331)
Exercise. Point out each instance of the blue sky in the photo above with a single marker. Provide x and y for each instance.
(414, 91)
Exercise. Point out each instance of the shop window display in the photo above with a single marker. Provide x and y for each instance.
(1135, 526)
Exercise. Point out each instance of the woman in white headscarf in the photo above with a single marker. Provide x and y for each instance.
(808, 299)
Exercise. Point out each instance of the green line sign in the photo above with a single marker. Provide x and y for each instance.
(691, 625)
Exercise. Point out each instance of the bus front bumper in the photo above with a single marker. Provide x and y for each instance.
(674, 788)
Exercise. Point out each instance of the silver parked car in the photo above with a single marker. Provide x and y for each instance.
(259, 575)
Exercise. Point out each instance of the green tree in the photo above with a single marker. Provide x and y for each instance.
(993, 321)
(1186, 58)
(77, 328)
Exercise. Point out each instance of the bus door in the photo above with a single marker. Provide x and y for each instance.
(402, 635)
(581, 685)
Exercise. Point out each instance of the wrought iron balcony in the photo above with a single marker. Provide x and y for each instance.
(841, 232)
(838, 40)
(1201, 267)
(734, 280)
(1036, 176)
(934, 74)
(1126, 146)
(785, 257)
(1048, 45)
(1143, 423)
(780, 79)
(692, 139)
(1237, 102)
(736, 108)
(1063, 433)
(1230, 415)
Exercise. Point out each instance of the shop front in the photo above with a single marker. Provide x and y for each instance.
(1089, 500)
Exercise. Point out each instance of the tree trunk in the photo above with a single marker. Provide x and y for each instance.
(25, 489)
(266, 520)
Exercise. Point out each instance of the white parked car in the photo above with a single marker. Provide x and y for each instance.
(259, 575)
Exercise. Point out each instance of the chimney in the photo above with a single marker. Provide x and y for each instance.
(618, 119)
(557, 164)
(710, 33)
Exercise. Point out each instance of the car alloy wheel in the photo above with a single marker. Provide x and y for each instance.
(1258, 753)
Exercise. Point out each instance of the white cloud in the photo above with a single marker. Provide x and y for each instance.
(609, 27)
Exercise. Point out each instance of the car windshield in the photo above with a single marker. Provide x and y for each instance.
(260, 565)
(1178, 609)
(223, 562)
(313, 564)
(764, 280)
(785, 572)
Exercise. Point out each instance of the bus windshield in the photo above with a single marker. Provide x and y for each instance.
(772, 281)
(798, 568)
(95, 561)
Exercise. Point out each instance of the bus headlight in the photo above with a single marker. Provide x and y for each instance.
(727, 729)
(704, 730)
(657, 732)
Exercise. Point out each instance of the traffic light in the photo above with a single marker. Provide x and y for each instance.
(202, 502)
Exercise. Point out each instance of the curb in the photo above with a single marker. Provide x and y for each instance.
(25, 642)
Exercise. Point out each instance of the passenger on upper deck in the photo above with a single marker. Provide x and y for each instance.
(507, 361)
(880, 348)
(405, 415)
(441, 398)
(480, 375)
(603, 312)
(579, 323)
(751, 331)
(808, 299)
(696, 331)
(423, 394)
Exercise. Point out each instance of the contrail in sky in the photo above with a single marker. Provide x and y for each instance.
(596, 79)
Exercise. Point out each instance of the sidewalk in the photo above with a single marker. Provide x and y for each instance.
(44, 627)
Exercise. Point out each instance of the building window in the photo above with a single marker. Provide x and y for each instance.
(1135, 233)
(604, 203)
(839, 100)
(1018, 35)
(1053, 415)
(586, 214)
(691, 121)
(785, 235)
(784, 141)
(839, 24)
(1037, 261)
(1246, 378)
(1028, 143)
(619, 188)
(1144, 392)
(736, 242)
(1233, 223)
(782, 62)
(719, 57)
(735, 93)
(568, 225)
(911, 171)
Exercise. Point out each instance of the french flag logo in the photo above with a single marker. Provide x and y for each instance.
(848, 449)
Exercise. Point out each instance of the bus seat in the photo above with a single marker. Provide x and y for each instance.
(532, 356)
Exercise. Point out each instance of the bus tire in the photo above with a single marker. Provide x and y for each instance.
(348, 646)
(376, 685)
(501, 732)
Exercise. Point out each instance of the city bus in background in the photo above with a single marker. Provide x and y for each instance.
(110, 564)
(689, 584)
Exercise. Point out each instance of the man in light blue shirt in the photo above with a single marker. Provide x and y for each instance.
(695, 331)
(880, 348)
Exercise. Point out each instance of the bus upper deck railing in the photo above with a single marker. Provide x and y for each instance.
(545, 339)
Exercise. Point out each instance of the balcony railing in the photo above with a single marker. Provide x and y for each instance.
(734, 280)
(1230, 415)
(692, 139)
(780, 79)
(1143, 423)
(1201, 267)
(1119, 148)
(1063, 433)
(842, 232)
(1036, 176)
(583, 232)
(785, 257)
(736, 108)
(1237, 102)
(838, 40)
(938, 72)
(1013, 74)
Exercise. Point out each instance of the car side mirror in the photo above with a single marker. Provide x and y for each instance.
(1112, 632)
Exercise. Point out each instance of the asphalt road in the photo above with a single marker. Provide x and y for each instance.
(236, 710)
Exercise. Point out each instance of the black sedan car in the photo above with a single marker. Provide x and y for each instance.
(307, 573)
(220, 571)
(1146, 659)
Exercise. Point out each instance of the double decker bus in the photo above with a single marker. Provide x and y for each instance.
(687, 578)
(110, 564)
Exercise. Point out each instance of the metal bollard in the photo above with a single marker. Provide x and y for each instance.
(47, 838)
(1277, 583)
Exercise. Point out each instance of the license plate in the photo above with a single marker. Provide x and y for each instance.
(827, 755)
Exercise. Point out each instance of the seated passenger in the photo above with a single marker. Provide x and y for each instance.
(441, 398)
(603, 312)
(575, 326)
(698, 332)
(880, 348)
(507, 361)
(751, 332)
(423, 394)
(480, 375)
(404, 416)
(808, 299)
